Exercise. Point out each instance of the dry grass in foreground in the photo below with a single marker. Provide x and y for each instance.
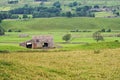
(74, 65)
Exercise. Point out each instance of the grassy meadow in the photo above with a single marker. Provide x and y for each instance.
(70, 65)
(103, 14)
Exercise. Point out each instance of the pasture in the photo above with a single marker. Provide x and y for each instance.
(79, 41)
(58, 24)
(57, 27)
(104, 14)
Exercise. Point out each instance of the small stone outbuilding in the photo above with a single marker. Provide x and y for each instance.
(40, 0)
(23, 35)
(38, 42)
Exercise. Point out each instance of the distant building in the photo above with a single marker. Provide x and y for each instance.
(38, 42)
(23, 35)
(13, 1)
(98, 9)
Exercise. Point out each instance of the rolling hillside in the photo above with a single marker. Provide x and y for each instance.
(4, 6)
(62, 24)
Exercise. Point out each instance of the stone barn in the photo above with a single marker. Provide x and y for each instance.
(38, 42)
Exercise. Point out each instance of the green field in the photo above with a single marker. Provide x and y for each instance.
(80, 41)
(62, 24)
(104, 14)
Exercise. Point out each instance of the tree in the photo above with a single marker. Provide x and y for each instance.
(96, 6)
(57, 4)
(18, 30)
(66, 37)
(13, 1)
(9, 30)
(5, 15)
(0, 20)
(14, 16)
(84, 11)
(25, 16)
(68, 14)
(78, 9)
(97, 36)
(42, 4)
(2, 31)
(87, 8)
(103, 30)
(117, 13)
(109, 30)
(75, 3)
(70, 4)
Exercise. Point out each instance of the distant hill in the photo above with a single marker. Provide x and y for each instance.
(5, 6)
(62, 24)
(57, 8)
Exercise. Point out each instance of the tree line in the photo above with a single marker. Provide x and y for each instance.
(2, 31)
(76, 9)
(43, 11)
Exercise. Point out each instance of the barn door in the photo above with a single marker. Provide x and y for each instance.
(29, 45)
(45, 45)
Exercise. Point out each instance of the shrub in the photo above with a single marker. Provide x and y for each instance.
(102, 30)
(66, 37)
(25, 16)
(109, 30)
(96, 51)
(97, 36)
(9, 30)
(77, 30)
(69, 14)
(14, 16)
(57, 4)
(116, 41)
(4, 51)
(2, 31)
(18, 31)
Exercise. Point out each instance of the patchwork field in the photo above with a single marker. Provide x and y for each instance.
(4, 3)
(81, 59)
